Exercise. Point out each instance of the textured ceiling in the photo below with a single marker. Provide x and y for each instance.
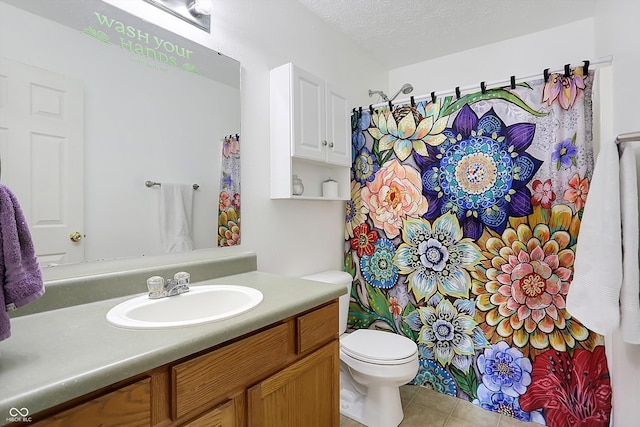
(403, 32)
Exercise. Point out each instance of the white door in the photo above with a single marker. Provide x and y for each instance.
(42, 154)
(338, 128)
(309, 134)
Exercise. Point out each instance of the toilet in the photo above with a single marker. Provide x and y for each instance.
(373, 365)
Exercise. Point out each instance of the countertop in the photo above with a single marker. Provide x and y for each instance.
(54, 356)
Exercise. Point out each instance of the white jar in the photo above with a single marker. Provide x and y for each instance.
(297, 187)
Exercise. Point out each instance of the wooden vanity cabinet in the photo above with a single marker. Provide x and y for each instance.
(286, 374)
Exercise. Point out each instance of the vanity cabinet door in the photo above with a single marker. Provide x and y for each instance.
(127, 406)
(306, 393)
(221, 416)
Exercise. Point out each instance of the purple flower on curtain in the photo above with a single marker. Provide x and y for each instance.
(480, 173)
(564, 153)
(226, 180)
(360, 121)
(230, 146)
(563, 89)
(505, 369)
(504, 404)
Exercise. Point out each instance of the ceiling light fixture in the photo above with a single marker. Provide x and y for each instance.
(195, 12)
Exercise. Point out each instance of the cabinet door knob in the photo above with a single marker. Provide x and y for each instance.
(324, 142)
(331, 144)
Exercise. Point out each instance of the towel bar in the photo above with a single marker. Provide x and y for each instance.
(152, 184)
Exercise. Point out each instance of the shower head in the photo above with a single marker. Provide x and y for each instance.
(379, 92)
(405, 89)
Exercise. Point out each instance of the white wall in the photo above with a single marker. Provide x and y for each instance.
(520, 56)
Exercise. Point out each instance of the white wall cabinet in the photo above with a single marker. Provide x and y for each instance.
(310, 134)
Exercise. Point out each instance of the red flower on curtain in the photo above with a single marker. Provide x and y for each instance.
(572, 391)
(363, 240)
(543, 193)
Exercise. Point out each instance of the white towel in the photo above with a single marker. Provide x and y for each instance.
(176, 205)
(594, 293)
(630, 289)
(605, 291)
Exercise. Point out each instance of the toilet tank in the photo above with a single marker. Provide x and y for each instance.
(338, 278)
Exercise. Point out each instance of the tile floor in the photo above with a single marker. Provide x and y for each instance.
(426, 408)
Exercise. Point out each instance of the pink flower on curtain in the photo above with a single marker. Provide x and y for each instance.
(573, 390)
(395, 193)
(224, 201)
(543, 193)
(578, 191)
(230, 146)
(563, 89)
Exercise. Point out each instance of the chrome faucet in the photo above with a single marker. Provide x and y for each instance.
(160, 288)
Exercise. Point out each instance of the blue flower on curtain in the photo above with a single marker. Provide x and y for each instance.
(431, 375)
(480, 172)
(504, 404)
(436, 257)
(365, 166)
(360, 122)
(378, 269)
(505, 369)
(564, 153)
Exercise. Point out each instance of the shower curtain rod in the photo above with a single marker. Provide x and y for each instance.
(628, 137)
(607, 60)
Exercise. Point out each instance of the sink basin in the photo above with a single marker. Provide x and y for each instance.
(202, 304)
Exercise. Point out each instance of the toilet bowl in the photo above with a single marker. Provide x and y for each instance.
(373, 366)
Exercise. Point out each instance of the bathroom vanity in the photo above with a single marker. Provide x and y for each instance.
(276, 365)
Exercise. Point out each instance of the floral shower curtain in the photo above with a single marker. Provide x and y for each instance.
(461, 233)
(229, 197)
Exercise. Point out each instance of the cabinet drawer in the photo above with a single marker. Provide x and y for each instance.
(213, 376)
(126, 406)
(220, 416)
(317, 327)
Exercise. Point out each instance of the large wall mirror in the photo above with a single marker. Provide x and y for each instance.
(93, 103)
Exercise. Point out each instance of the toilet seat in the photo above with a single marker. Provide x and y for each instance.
(378, 347)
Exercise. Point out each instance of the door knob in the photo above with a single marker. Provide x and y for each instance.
(75, 236)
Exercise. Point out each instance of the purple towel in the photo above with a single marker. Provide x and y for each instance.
(20, 275)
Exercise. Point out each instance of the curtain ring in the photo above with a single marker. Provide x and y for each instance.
(413, 102)
(371, 108)
(585, 67)
(354, 110)
(483, 88)
(390, 105)
(545, 73)
(360, 110)
(513, 82)
(458, 92)
(433, 97)
(567, 70)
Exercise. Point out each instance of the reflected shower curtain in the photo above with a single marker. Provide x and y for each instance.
(229, 197)
(461, 234)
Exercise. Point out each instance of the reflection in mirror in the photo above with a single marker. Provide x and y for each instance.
(93, 103)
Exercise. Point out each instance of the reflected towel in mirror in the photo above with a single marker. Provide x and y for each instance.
(20, 276)
(176, 206)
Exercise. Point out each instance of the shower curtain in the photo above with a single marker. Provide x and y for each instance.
(461, 234)
(229, 196)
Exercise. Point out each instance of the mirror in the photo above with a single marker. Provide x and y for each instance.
(144, 104)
